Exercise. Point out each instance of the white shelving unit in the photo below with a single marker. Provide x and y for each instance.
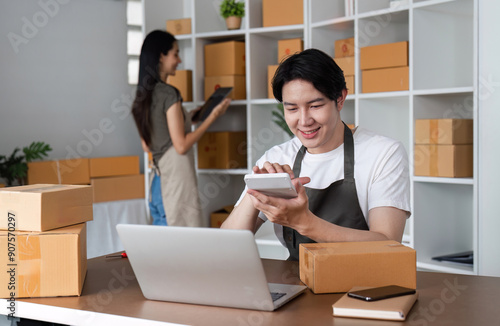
(443, 45)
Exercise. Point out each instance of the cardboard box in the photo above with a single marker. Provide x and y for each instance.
(344, 48)
(443, 131)
(183, 81)
(45, 207)
(118, 188)
(238, 83)
(282, 12)
(113, 166)
(384, 56)
(271, 70)
(223, 150)
(288, 47)
(179, 26)
(75, 171)
(347, 65)
(218, 217)
(337, 267)
(449, 161)
(48, 264)
(385, 80)
(225, 58)
(349, 83)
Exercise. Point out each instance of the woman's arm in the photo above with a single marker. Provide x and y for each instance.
(183, 141)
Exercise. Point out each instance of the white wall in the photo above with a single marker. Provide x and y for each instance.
(63, 78)
(489, 138)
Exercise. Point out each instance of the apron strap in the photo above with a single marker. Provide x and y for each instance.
(348, 154)
(297, 164)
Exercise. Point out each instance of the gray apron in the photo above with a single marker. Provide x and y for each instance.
(337, 204)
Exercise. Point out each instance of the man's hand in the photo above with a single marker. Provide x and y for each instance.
(292, 212)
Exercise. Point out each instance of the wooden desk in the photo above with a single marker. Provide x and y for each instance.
(111, 296)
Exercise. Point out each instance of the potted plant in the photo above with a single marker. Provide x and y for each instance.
(15, 167)
(232, 11)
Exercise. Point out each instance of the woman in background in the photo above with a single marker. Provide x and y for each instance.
(165, 130)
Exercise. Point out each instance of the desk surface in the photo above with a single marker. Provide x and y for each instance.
(111, 291)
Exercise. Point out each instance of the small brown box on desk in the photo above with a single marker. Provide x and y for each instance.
(282, 12)
(45, 207)
(179, 26)
(48, 264)
(113, 166)
(118, 188)
(271, 70)
(73, 171)
(344, 48)
(384, 56)
(337, 267)
(443, 131)
(385, 80)
(288, 47)
(222, 150)
(225, 58)
(183, 81)
(449, 161)
(238, 83)
(218, 217)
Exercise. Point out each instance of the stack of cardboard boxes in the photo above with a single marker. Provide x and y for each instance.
(225, 67)
(286, 48)
(112, 178)
(443, 148)
(385, 67)
(344, 57)
(43, 249)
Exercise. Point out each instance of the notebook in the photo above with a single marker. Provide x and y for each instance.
(390, 309)
(204, 266)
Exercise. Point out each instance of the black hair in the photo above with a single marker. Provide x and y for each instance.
(314, 66)
(157, 42)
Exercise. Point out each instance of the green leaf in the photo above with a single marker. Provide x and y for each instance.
(232, 8)
(279, 119)
(36, 151)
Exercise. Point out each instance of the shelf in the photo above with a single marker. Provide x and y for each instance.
(444, 91)
(343, 21)
(460, 181)
(446, 267)
(382, 12)
(221, 35)
(277, 30)
(383, 94)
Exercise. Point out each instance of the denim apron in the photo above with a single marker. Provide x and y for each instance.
(337, 204)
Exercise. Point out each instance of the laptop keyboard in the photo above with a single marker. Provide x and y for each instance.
(276, 295)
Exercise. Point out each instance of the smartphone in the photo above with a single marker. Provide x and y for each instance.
(218, 96)
(272, 184)
(379, 293)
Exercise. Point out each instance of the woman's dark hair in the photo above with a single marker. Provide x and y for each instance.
(157, 42)
(314, 66)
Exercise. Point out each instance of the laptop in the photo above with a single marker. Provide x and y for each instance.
(205, 266)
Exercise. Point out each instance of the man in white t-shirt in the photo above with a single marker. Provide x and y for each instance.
(352, 186)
